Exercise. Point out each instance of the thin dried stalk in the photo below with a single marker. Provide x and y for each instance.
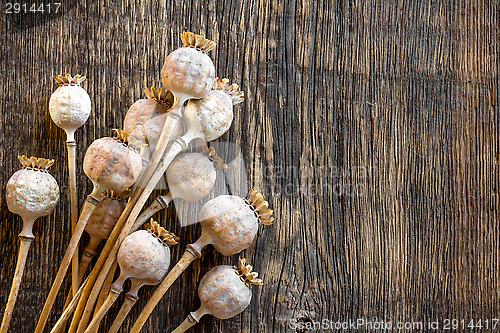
(127, 305)
(186, 324)
(112, 297)
(71, 146)
(87, 257)
(187, 258)
(16, 283)
(87, 209)
(105, 289)
(61, 322)
(160, 203)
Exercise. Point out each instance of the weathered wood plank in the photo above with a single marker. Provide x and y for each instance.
(372, 127)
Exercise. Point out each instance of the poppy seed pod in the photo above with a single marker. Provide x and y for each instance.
(144, 258)
(225, 291)
(237, 294)
(215, 110)
(230, 223)
(111, 163)
(146, 117)
(191, 176)
(32, 192)
(69, 105)
(105, 214)
(189, 71)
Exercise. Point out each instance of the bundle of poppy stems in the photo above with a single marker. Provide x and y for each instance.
(160, 131)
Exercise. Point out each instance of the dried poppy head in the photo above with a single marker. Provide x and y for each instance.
(69, 105)
(230, 223)
(144, 255)
(236, 292)
(32, 192)
(145, 118)
(111, 163)
(105, 215)
(224, 292)
(191, 176)
(215, 110)
(188, 71)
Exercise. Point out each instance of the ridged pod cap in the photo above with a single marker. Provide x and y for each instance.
(225, 291)
(189, 70)
(231, 222)
(191, 176)
(110, 163)
(32, 191)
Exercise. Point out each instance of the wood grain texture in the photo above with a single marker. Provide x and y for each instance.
(371, 126)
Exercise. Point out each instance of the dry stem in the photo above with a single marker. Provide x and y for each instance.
(87, 209)
(161, 202)
(71, 145)
(187, 258)
(61, 322)
(16, 282)
(186, 324)
(88, 255)
(105, 289)
(124, 311)
(112, 297)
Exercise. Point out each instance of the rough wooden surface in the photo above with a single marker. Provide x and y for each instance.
(371, 126)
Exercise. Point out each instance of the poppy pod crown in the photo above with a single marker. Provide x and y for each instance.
(163, 235)
(68, 80)
(199, 42)
(35, 163)
(233, 90)
(160, 95)
(246, 274)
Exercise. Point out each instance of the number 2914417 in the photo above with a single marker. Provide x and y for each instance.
(26, 8)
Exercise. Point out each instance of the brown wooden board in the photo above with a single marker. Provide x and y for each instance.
(371, 126)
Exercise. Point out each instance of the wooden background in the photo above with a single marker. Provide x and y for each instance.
(371, 126)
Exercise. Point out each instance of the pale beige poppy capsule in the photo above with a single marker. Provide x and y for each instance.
(145, 119)
(111, 164)
(230, 223)
(191, 176)
(31, 193)
(215, 110)
(225, 291)
(189, 71)
(144, 258)
(70, 104)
